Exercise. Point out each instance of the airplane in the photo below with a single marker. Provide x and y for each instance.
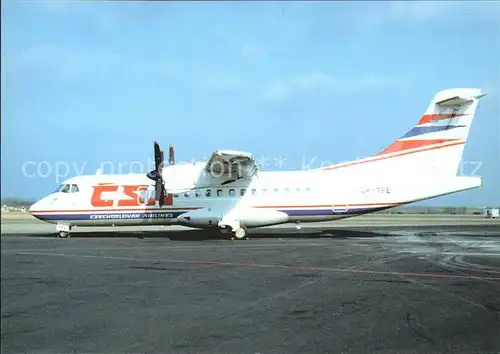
(229, 194)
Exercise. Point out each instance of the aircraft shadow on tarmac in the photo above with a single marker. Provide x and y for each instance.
(200, 235)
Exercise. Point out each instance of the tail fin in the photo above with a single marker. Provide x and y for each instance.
(437, 142)
(433, 147)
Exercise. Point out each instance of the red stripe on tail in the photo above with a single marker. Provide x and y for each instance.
(402, 145)
(428, 118)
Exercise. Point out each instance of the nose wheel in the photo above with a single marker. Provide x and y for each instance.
(63, 234)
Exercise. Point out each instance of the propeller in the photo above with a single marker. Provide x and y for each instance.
(156, 174)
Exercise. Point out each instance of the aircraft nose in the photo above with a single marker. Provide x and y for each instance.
(38, 206)
(34, 207)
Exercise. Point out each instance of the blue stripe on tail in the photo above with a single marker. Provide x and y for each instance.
(432, 129)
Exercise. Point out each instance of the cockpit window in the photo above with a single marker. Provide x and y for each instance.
(58, 189)
(67, 188)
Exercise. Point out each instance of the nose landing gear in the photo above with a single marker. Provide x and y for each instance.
(64, 234)
(63, 230)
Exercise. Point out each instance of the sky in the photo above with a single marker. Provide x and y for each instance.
(93, 84)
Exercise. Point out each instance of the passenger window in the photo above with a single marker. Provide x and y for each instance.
(275, 190)
(65, 189)
(219, 192)
(298, 190)
(287, 190)
(231, 192)
(197, 193)
(74, 188)
(208, 193)
(264, 190)
(187, 194)
(176, 195)
(242, 192)
(254, 192)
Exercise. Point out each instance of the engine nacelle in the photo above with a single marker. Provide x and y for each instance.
(202, 218)
(182, 177)
(246, 217)
(256, 217)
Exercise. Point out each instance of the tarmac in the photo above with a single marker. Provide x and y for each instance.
(391, 284)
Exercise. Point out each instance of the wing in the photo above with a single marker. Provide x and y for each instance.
(232, 165)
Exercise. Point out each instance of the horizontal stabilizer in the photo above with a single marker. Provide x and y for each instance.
(457, 100)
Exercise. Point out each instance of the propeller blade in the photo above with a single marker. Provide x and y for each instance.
(171, 155)
(158, 155)
(158, 189)
(161, 201)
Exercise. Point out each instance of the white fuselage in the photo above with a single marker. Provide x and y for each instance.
(270, 198)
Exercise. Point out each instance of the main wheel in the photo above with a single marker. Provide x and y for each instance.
(240, 233)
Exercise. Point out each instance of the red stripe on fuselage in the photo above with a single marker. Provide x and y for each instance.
(326, 205)
(114, 210)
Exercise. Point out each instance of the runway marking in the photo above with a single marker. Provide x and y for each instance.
(181, 248)
(451, 253)
(470, 302)
(275, 266)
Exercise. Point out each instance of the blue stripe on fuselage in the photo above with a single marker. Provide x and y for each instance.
(174, 214)
(330, 211)
(109, 216)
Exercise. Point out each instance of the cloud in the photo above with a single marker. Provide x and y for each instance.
(318, 82)
(164, 68)
(301, 84)
(444, 11)
(373, 82)
(223, 82)
(65, 63)
(368, 16)
(53, 7)
(418, 10)
(93, 13)
(105, 21)
(252, 51)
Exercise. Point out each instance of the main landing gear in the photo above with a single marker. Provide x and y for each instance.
(239, 234)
